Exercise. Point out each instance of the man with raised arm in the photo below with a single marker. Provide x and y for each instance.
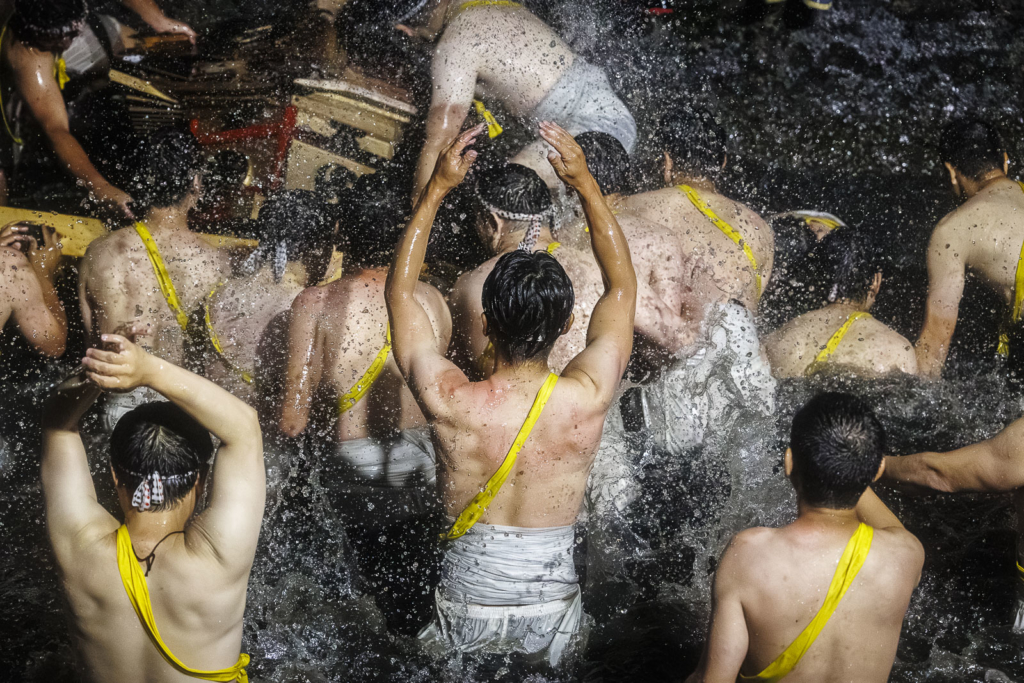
(985, 234)
(820, 600)
(160, 597)
(27, 292)
(995, 465)
(508, 582)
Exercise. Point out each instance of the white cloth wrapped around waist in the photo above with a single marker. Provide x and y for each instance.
(507, 565)
(116, 406)
(403, 462)
(86, 52)
(583, 100)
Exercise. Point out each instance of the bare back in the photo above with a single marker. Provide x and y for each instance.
(869, 349)
(781, 579)
(723, 262)
(117, 285)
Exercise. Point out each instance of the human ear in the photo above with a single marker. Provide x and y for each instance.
(788, 462)
(881, 471)
(568, 324)
(483, 323)
(952, 176)
(667, 169)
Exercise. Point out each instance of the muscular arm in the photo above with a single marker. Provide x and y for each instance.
(468, 342)
(453, 73)
(305, 361)
(151, 13)
(946, 266)
(992, 466)
(727, 641)
(35, 307)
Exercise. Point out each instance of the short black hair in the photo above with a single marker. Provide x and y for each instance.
(607, 160)
(172, 161)
(366, 29)
(37, 23)
(838, 444)
(972, 146)
(291, 223)
(849, 261)
(369, 226)
(513, 188)
(528, 299)
(162, 438)
(694, 140)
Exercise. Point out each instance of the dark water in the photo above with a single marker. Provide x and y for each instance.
(840, 116)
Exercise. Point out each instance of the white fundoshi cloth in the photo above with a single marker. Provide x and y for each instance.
(116, 406)
(583, 100)
(508, 589)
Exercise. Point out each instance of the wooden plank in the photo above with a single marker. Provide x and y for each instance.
(380, 127)
(134, 83)
(304, 160)
(228, 242)
(360, 91)
(331, 98)
(376, 147)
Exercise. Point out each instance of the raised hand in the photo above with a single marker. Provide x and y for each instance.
(45, 258)
(455, 161)
(567, 157)
(120, 365)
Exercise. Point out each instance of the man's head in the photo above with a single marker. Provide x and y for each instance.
(294, 225)
(851, 266)
(971, 148)
(170, 176)
(693, 144)
(157, 454)
(513, 198)
(369, 227)
(527, 301)
(370, 32)
(607, 160)
(836, 450)
(48, 26)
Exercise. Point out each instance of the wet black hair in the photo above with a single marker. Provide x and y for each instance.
(972, 146)
(848, 260)
(513, 189)
(172, 160)
(607, 160)
(38, 23)
(528, 299)
(369, 227)
(291, 223)
(694, 140)
(366, 29)
(838, 444)
(160, 437)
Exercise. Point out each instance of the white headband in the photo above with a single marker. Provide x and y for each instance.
(533, 232)
(151, 491)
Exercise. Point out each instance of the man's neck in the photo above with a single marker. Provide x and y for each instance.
(511, 241)
(812, 515)
(695, 181)
(148, 528)
(506, 368)
(848, 306)
(166, 219)
(973, 187)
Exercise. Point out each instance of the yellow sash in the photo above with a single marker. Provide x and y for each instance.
(359, 389)
(727, 229)
(215, 340)
(1018, 300)
(480, 501)
(1020, 571)
(494, 128)
(162, 277)
(483, 3)
(833, 343)
(853, 558)
(134, 581)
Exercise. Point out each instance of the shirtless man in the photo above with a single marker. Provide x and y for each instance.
(378, 460)
(196, 566)
(117, 281)
(984, 234)
(27, 293)
(995, 465)
(508, 582)
(694, 155)
(246, 317)
(497, 51)
(771, 583)
(48, 43)
(842, 334)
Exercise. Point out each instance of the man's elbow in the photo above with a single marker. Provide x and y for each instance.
(292, 426)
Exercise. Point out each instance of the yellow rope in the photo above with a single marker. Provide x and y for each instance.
(727, 229)
(359, 389)
(215, 340)
(833, 343)
(162, 276)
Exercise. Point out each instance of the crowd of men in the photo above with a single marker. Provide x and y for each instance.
(482, 401)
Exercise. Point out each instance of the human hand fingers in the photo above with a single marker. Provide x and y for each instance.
(103, 381)
(105, 369)
(115, 342)
(113, 357)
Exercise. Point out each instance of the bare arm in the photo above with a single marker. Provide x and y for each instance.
(35, 306)
(873, 512)
(413, 336)
(231, 522)
(305, 361)
(453, 74)
(993, 466)
(468, 342)
(946, 266)
(727, 642)
(151, 13)
(610, 335)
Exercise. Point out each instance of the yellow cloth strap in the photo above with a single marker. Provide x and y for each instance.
(134, 581)
(483, 3)
(853, 558)
(553, 247)
(494, 129)
(727, 229)
(215, 340)
(1020, 571)
(834, 341)
(480, 501)
(818, 5)
(1018, 300)
(162, 277)
(60, 72)
(359, 389)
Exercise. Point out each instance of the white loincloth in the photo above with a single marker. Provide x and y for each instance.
(708, 391)
(1018, 620)
(116, 406)
(508, 589)
(86, 53)
(583, 100)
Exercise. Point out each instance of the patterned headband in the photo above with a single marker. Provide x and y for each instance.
(151, 491)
